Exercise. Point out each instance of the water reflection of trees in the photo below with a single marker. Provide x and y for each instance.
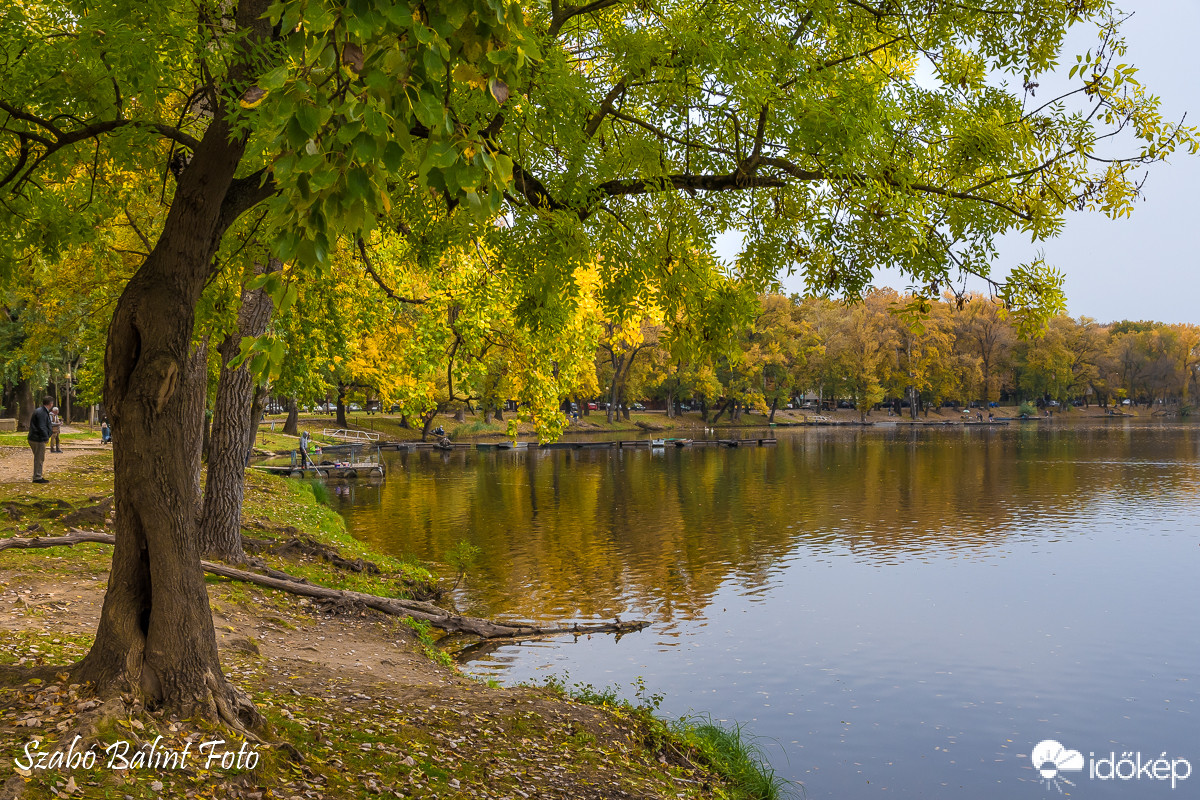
(597, 532)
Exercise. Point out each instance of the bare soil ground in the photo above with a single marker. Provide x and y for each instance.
(354, 706)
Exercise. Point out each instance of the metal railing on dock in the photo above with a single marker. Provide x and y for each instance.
(344, 435)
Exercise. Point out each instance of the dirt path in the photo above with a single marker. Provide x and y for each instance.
(16, 463)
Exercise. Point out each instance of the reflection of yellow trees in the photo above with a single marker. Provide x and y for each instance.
(600, 532)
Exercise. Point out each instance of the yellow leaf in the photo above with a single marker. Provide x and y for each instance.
(465, 73)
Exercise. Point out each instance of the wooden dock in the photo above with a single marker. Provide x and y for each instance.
(361, 470)
(567, 445)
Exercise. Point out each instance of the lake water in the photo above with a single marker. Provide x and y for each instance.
(893, 612)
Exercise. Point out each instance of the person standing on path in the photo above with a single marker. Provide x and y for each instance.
(39, 434)
(55, 431)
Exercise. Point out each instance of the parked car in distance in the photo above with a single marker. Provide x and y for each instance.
(637, 407)
(593, 407)
(355, 407)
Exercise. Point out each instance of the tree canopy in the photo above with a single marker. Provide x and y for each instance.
(838, 137)
(591, 153)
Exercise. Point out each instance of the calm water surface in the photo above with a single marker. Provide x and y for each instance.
(893, 612)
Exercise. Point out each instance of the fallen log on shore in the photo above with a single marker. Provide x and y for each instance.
(437, 617)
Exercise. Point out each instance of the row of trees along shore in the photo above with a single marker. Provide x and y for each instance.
(480, 194)
(895, 347)
(889, 347)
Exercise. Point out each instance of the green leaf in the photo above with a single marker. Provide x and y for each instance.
(309, 119)
(275, 79)
(393, 156)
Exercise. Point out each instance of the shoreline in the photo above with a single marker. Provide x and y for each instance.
(357, 704)
(650, 424)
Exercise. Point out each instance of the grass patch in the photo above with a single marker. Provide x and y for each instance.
(21, 438)
(735, 755)
(320, 492)
(276, 508)
(728, 750)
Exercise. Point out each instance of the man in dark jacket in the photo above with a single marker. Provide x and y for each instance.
(39, 434)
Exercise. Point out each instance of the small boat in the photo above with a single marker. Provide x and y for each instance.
(658, 442)
(679, 442)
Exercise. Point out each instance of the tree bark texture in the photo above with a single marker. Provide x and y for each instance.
(233, 426)
(195, 401)
(155, 638)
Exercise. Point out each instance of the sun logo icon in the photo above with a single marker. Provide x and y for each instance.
(1051, 759)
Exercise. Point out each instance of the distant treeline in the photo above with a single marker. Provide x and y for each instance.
(900, 349)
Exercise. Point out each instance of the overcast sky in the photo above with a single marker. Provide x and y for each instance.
(1146, 266)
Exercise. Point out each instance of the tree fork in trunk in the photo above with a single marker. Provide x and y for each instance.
(233, 426)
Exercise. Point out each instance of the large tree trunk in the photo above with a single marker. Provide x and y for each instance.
(233, 428)
(24, 404)
(291, 426)
(155, 639)
(341, 406)
(614, 389)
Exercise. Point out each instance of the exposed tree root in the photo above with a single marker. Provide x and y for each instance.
(307, 546)
(72, 538)
(299, 545)
(437, 617)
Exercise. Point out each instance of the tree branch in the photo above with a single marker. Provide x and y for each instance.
(244, 194)
(605, 108)
(561, 14)
(362, 249)
(435, 616)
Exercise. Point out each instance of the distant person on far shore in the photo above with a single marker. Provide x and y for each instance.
(39, 434)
